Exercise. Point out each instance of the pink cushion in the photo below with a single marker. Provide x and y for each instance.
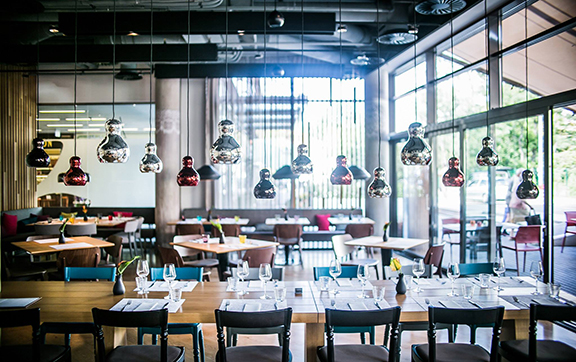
(9, 225)
(124, 213)
(322, 222)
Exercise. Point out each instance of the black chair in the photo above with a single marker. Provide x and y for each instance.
(151, 319)
(541, 350)
(360, 352)
(433, 351)
(36, 352)
(259, 320)
(67, 329)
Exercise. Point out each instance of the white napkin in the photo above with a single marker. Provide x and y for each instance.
(71, 246)
(252, 307)
(357, 306)
(344, 282)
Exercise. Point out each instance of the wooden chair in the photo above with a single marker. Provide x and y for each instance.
(168, 255)
(433, 351)
(113, 251)
(353, 319)
(255, 257)
(476, 268)
(527, 239)
(87, 273)
(259, 320)
(181, 274)
(289, 235)
(434, 257)
(361, 231)
(47, 229)
(189, 229)
(533, 350)
(228, 229)
(36, 352)
(570, 222)
(81, 258)
(81, 229)
(150, 319)
(187, 253)
(344, 252)
(67, 329)
(14, 271)
(277, 274)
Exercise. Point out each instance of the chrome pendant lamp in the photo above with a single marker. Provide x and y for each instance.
(75, 176)
(487, 155)
(265, 189)
(113, 148)
(275, 19)
(188, 176)
(453, 177)
(527, 188)
(341, 174)
(151, 162)
(379, 187)
(302, 164)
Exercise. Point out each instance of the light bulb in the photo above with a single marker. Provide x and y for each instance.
(416, 151)
(187, 176)
(302, 164)
(453, 177)
(264, 189)
(379, 187)
(113, 148)
(487, 156)
(38, 157)
(75, 176)
(527, 188)
(225, 149)
(151, 162)
(341, 174)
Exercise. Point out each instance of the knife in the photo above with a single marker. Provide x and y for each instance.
(442, 304)
(520, 302)
(474, 303)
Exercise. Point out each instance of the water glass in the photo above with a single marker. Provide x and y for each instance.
(536, 271)
(378, 293)
(142, 285)
(243, 270)
(453, 272)
(499, 268)
(99, 215)
(265, 274)
(363, 275)
(199, 218)
(324, 283)
(175, 293)
(205, 238)
(484, 280)
(468, 291)
(242, 239)
(408, 281)
(554, 290)
(277, 217)
(232, 283)
(142, 268)
(169, 273)
(280, 293)
(418, 270)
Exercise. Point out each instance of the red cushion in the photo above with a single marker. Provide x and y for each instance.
(124, 213)
(9, 225)
(322, 222)
(41, 217)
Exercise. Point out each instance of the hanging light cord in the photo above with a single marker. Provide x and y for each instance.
(378, 69)
(188, 85)
(114, 64)
(265, 77)
(226, 62)
(75, 66)
(341, 80)
(415, 72)
(487, 66)
(151, 69)
(526, 68)
(37, 70)
(302, 67)
(452, 75)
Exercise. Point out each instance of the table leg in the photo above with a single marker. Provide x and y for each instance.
(314, 335)
(514, 329)
(222, 265)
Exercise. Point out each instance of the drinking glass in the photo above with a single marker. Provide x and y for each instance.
(335, 270)
(418, 270)
(467, 291)
(232, 283)
(408, 281)
(378, 293)
(324, 282)
(499, 268)
(169, 273)
(536, 271)
(265, 274)
(453, 273)
(243, 270)
(554, 291)
(142, 270)
(280, 294)
(484, 279)
(363, 274)
(242, 239)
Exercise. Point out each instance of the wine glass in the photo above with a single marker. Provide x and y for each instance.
(453, 273)
(142, 270)
(363, 274)
(418, 270)
(243, 270)
(265, 274)
(335, 270)
(169, 273)
(499, 267)
(536, 271)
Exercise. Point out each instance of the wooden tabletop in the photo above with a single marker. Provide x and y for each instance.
(232, 244)
(225, 221)
(346, 220)
(291, 220)
(41, 247)
(104, 222)
(393, 243)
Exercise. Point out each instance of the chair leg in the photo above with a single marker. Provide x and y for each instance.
(452, 330)
(195, 345)
(287, 254)
(564, 240)
(363, 338)
(473, 334)
(524, 264)
(228, 338)
(201, 339)
(517, 264)
(372, 336)
(140, 336)
(376, 268)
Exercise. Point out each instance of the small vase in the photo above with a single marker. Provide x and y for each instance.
(61, 238)
(385, 236)
(222, 240)
(401, 286)
(119, 288)
(85, 217)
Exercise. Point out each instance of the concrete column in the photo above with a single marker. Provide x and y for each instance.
(168, 143)
(377, 209)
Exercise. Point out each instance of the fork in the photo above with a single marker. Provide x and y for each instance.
(125, 305)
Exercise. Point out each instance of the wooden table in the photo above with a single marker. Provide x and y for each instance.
(291, 220)
(346, 220)
(393, 243)
(221, 250)
(104, 222)
(85, 242)
(73, 301)
(225, 221)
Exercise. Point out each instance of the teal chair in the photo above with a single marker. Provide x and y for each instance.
(195, 329)
(347, 272)
(85, 273)
(476, 268)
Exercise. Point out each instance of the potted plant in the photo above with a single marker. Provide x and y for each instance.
(385, 228)
(396, 266)
(218, 226)
(119, 285)
(62, 238)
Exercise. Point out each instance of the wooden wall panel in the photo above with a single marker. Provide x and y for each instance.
(17, 130)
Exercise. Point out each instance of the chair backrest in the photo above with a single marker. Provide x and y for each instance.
(186, 251)
(254, 320)
(341, 250)
(255, 257)
(546, 313)
(434, 257)
(169, 255)
(359, 230)
(188, 273)
(407, 270)
(116, 250)
(149, 319)
(530, 234)
(81, 229)
(570, 216)
(47, 229)
(189, 229)
(75, 273)
(450, 220)
(277, 274)
(470, 317)
(476, 268)
(349, 318)
(131, 226)
(228, 229)
(23, 317)
(347, 272)
(78, 258)
(288, 232)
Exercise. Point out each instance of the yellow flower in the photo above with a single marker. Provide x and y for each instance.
(395, 264)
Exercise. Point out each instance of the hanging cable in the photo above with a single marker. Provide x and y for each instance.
(265, 77)
(75, 67)
(302, 67)
(151, 68)
(188, 85)
(114, 64)
(341, 79)
(526, 68)
(226, 60)
(487, 40)
(415, 72)
(378, 56)
(452, 75)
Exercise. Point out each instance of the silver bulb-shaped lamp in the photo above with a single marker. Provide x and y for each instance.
(379, 187)
(225, 149)
(113, 148)
(151, 162)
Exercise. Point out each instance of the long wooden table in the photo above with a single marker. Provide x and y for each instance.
(103, 222)
(84, 242)
(224, 221)
(73, 301)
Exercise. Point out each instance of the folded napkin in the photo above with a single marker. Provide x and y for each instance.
(357, 306)
(252, 307)
(344, 282)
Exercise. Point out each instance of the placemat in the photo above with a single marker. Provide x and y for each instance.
(17, 302)
(524, 301)
(161, 286)
(251, 305)
(141, 305)
(71, 246)
(354, 303)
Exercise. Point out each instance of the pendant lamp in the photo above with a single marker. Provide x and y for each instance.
(487, 155)
(453, 177)
(285, 173)
(151, 162)
(416, 151)
(302, 164)
(208, 173)
(113, 148)
(75, 176)
(275, 19)
(527, 188)
(188, 176)
(379, 187)
(264, 189)
(359, 173)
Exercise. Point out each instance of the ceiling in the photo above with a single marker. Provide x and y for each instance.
(238, 36)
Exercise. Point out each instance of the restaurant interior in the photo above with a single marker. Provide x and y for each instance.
(320, 180)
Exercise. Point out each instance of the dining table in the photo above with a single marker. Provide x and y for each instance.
(346, 220)
(44, 246)
(224, 221)
(291, 220)
(73, 301)
(104, 222)
(231, 244)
